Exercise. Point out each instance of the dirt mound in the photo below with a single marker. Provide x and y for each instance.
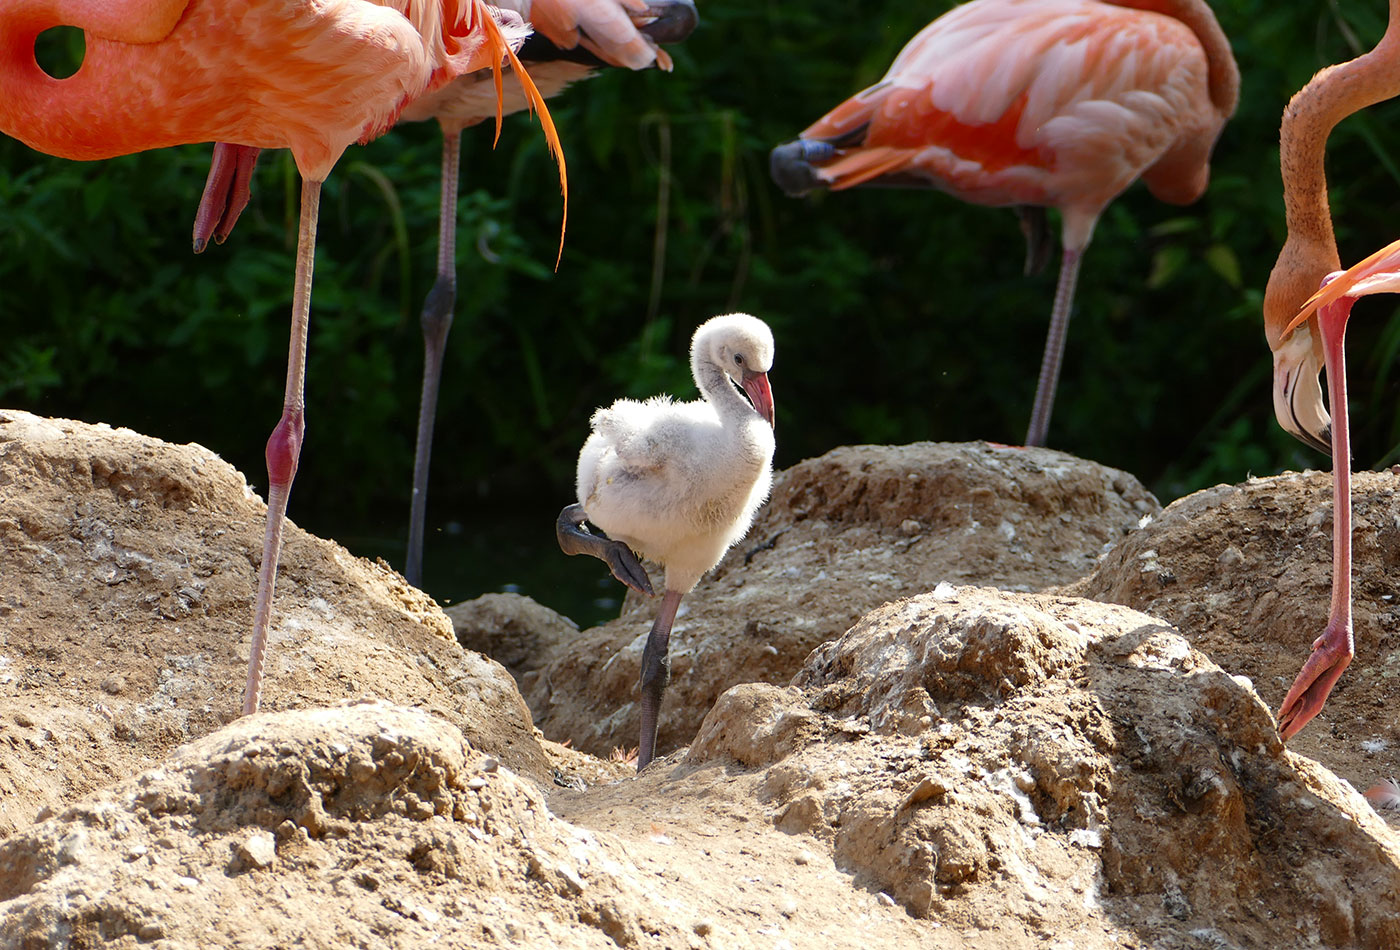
(841, 535)
(127, 572)
(1036, 768)
(511, 629)
(245, 837)
(1245, 572)
(966, 768)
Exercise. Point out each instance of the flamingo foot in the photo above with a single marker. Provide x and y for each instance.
(1331, 654)
(226, 193)
(575, 538)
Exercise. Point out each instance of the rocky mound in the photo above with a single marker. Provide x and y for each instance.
(841, 535)
(1042, 768)
(247, 836)
(1245, 572)
(127, 573)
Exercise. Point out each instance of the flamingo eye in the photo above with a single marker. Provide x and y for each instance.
(739, 359)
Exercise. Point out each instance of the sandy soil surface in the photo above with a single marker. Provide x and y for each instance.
(950, 765)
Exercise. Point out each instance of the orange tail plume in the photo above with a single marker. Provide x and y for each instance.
(500, 47)
(856, 168)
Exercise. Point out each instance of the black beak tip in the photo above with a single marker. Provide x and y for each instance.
(790, 165)
(675, 20)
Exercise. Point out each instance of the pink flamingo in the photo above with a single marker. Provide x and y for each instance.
(1333, 650)
(579, 38)
(298, 74)
(1040, 103)
(1298, 327)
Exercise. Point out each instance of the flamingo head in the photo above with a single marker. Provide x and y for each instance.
(1296, 343)
(741, 347)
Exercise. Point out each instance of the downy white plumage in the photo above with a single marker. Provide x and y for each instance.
(678, 482)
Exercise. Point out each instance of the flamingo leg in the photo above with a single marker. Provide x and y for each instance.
(226, 193)
(574, 538)
(284, 445)
(656, 673)
(436, 321)
(1333, 650)
(1054, 347)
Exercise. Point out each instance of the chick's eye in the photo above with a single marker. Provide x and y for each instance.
(739, 359)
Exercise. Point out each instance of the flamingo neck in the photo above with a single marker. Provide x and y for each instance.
(84, 116)
(714, 384)
(1310, 252)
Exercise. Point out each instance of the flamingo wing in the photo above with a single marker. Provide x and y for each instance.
(1377, 274)
(1048, 102)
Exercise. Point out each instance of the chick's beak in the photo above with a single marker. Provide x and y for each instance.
(761, 395)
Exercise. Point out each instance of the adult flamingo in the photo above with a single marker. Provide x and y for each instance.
(678, 482)
(1305, 334)
(573, 39)
(1333, 650)
(1310, 252)
(1042, 103)
(299, 74)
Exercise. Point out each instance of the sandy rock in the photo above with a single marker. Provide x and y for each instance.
(511, 629)
(1245, 572)
(1036, 767)
(841, 535)
(246, 836)
(127, 572)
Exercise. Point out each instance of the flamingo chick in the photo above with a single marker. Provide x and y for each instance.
(1034, 104)
(678, 482)
(1333, 650)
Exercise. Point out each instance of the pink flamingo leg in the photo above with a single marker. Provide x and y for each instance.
(437, 323)
(1331, 652)
(284, 446)
(1054, 347)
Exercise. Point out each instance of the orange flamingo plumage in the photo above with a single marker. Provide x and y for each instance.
(307, 75)
(1307, 333)
(1040, 103)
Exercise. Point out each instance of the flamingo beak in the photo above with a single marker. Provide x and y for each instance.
(667, 21)
(761, 395)
(1298, 402)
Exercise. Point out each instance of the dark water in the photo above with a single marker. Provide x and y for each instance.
(495, 548)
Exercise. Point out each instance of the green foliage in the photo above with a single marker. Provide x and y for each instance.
(899, 315)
